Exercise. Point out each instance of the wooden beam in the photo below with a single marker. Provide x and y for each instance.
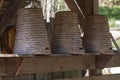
(19, 67)
(108, 77)
(102, 60)
(1, 3)
(32, 77)
(47, 64)
(9, 14)
(20, 77)
(86, 6)
(2, 66)
(96, 7)
(12, 65)
(54, 64)
(81, 4)
(89, 7)
(8, 55)
(74, 7)
(113, 62)
(65, 63)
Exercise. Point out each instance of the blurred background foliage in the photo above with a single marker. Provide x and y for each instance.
(111, 8)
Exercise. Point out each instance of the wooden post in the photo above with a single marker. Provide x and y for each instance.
(0, 78)
(89, 7)
(96, 7)
(74, 7)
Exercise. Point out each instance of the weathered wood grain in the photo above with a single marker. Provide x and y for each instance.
(108, 77)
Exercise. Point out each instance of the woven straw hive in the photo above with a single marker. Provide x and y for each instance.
(96, 34)
(66, 34)
(31, 34)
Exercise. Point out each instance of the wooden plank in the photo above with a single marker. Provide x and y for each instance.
(1, 3)
(9, 14)
(2, 66)
(96, 7)
(74, 7)
(89, 7)
(114, 62)
(86, 6)
(31, 77)
(9, 66)
(8, 55)
(102, 60)
(39, 76)
(13, 65)
(50, 64)
(53, 64)
(106, 61)
(20, 77)
(81, 4)
(108, 77)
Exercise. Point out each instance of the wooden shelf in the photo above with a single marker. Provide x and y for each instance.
(28, 65)
(16, 55)
(14, 65)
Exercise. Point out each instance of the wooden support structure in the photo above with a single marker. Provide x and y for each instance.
(49, 64)
(74, 7)
(89, 7)
(28, 65)
(102, 61)
(86, 6)
(1, 3)
(83, 8)
(9, 14)
(108, 77)
(21, 77)
(14, 65)
(43, 77)
(96, 7)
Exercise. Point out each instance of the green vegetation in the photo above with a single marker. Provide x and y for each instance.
(111, 12)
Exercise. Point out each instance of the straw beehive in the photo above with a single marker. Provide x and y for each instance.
(96, 34)
(31, 34)
(66, 34)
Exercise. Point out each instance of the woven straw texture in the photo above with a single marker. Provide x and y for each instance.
(96, 34)
(31, 34)
(66, 34)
